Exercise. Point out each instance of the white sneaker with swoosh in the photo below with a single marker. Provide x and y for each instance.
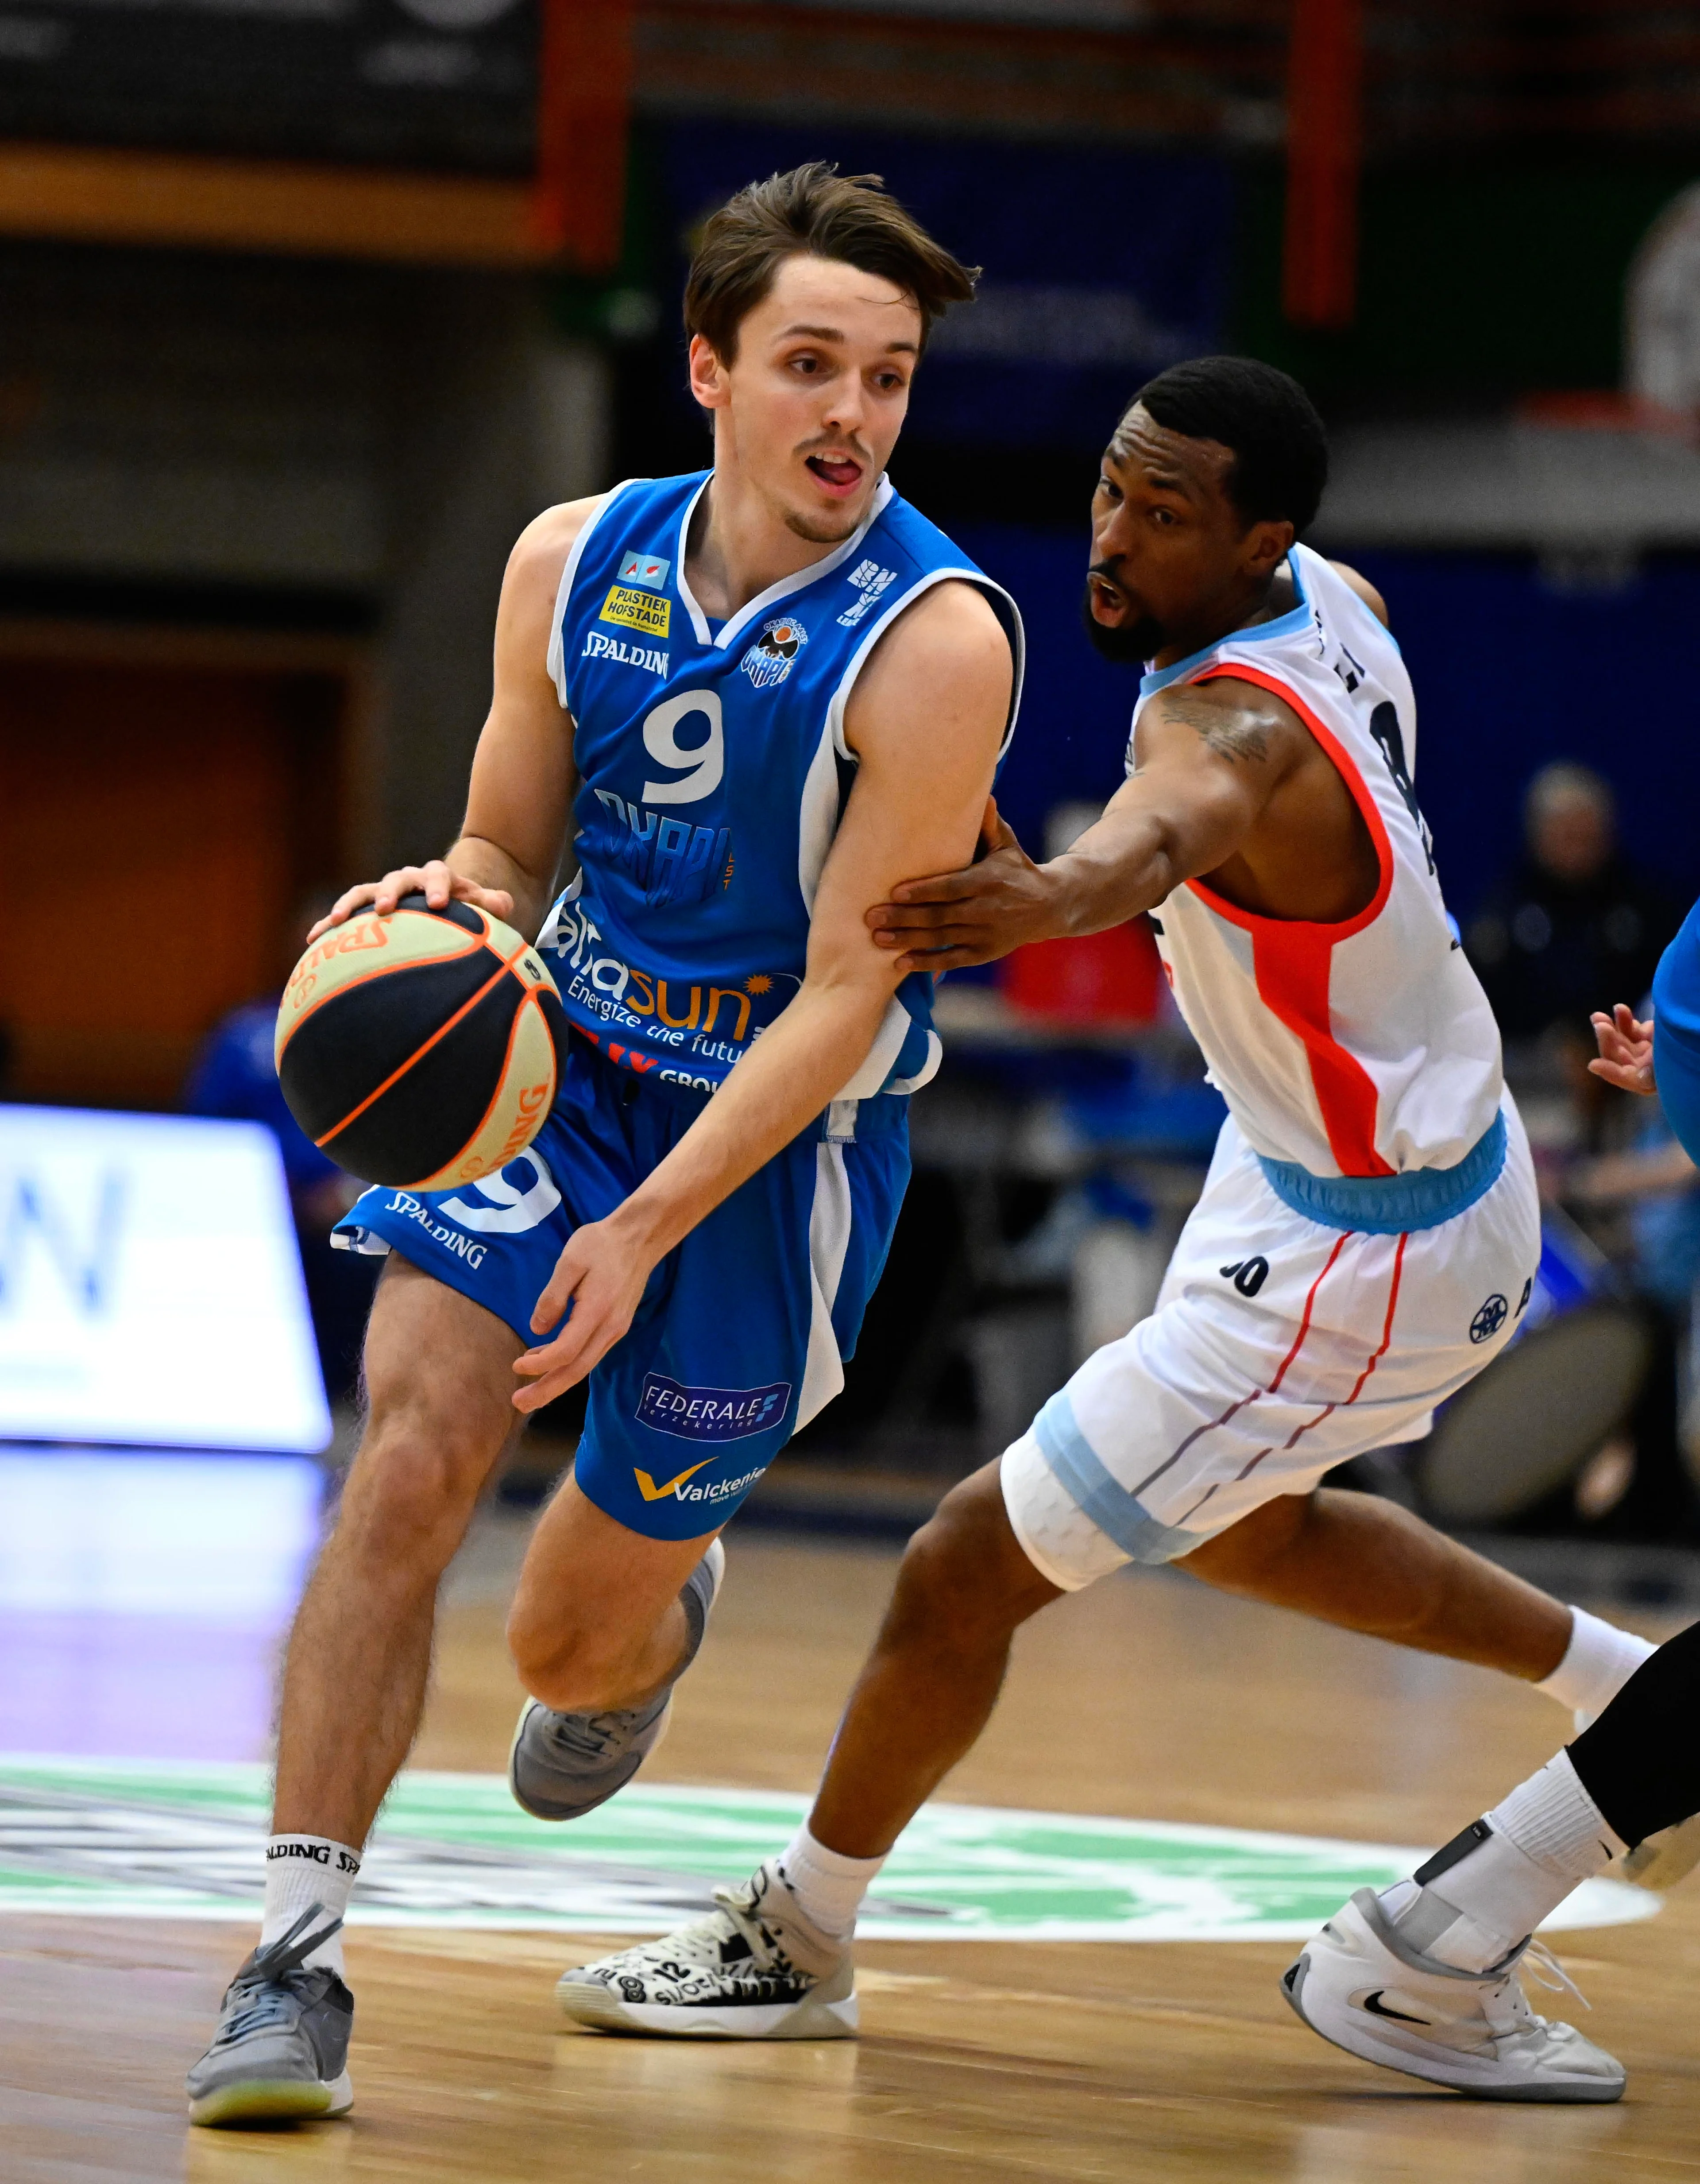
(1361, 1986)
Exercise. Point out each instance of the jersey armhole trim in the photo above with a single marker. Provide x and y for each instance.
(1014, 631)
(555, 660)
(1347, 768)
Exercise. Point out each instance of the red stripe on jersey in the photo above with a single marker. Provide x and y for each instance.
(1293, 959)
(1328, 1409)
(1304, 1322)
(1387, 1327)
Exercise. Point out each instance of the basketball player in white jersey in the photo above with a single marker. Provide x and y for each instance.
(1367, 1231)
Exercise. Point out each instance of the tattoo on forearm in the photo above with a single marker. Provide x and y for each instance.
(1232, 736)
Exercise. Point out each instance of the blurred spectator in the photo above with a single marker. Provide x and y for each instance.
(1574, 927)
(235, 1077)
(1656, 1188)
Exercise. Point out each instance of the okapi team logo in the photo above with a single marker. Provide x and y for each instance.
(770, 659)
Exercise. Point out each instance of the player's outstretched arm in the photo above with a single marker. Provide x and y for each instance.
(1209, 758)
(1625, 1055)
(522, 772)
(925, 722)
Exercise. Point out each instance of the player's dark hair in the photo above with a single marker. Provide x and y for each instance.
(813, 210)
(1280, 448)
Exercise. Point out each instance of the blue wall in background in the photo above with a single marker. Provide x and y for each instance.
(1101, 267)
(1509, 673)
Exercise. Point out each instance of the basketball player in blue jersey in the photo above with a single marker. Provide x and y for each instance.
(761, 696)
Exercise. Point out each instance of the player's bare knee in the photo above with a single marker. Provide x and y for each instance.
(1248, 1551)
(572, 1666)
(963, 1571)
(414, 1484)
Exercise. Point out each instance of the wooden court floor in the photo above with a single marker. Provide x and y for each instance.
(1146, 1698)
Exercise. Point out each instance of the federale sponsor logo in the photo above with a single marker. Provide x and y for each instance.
(709, 1413)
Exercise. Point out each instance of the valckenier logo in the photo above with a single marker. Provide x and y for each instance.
(134, 1839)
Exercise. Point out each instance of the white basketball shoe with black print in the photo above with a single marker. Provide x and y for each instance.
(1361, 1986)
(758, 1969)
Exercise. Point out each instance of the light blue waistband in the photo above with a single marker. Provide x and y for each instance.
(1391, 1205)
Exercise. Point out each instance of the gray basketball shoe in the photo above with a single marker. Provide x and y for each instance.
(758, 1969)
(1361, 1985)
(561, 1766)
(281, 2049)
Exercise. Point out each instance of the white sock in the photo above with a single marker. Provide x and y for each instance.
(829, 1886)
(1598, 1662)
(1502, 1877)
(301, 1871)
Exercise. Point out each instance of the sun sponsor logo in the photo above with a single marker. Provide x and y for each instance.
(715, 1023)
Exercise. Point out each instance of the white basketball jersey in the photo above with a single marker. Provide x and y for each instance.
(1366, 1048)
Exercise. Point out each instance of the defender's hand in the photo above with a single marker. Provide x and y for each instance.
(1626, 1057)
(433, 879)
(601, 1274)
(974, 917)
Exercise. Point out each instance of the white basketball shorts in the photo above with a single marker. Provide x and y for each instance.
(1279, 1348)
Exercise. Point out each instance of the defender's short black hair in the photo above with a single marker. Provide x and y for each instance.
(1280, 448)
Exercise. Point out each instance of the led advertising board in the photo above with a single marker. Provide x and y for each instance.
(446, 84)
(150, 1286)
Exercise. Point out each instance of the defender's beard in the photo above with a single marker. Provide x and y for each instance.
(1129, 645)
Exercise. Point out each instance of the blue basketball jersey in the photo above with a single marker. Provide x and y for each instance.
(713, 773)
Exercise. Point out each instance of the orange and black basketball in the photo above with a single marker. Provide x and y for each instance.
(422, 1049)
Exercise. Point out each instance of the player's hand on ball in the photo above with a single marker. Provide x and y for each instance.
(601, 1274)
(433, 880)
(971, 917)
(1625, 1057)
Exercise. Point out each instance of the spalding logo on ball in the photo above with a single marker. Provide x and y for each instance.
(423, 1049)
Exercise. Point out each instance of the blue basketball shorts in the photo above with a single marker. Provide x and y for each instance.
(743, 1329)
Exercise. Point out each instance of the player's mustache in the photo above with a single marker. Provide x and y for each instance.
(844, 443)
(1103, 572)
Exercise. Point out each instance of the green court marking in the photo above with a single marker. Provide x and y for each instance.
(138, 1839)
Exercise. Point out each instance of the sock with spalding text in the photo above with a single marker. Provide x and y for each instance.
(301, 1871)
